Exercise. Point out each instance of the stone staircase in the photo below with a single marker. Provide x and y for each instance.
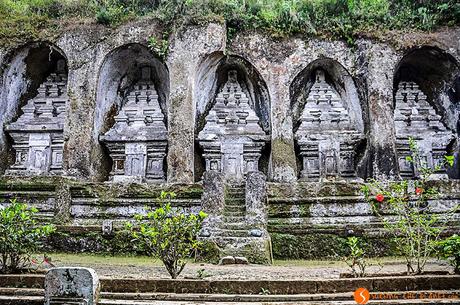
(234, 214)
(237, 236)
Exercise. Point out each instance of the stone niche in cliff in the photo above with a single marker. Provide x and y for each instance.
(137, 141)
(232, 139)
(425, 111)
(38, 132)
(130, 125)
(327, 135)
(415, 118)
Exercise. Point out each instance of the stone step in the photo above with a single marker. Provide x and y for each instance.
(21, 300)
(234, 191)
(221, 297)
(21, 291)
(332, 298)
(239, 197)
(236, 185)
(32, 296)
(335, 302)
(235, 208)
(211, 299)
(236, 226)
(232, 240)
(234, 233)
(233, 213)
(233, 219)
(235, 201)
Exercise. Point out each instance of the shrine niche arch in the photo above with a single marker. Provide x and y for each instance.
(426, 88)
(132, 90)
(215, 73)
(33, 109)
(328, 124)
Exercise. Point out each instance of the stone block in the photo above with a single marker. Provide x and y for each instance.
(241, 260)
(71, 286)
(213, 199)
(227, 260)
(256, 198)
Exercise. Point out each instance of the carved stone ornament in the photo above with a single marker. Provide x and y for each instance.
(416, 118)
(137, 141)
(38, 132)
(232, 138)
(327, 137)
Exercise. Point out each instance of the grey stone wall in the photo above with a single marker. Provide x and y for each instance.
(275, 74)
(366, 74)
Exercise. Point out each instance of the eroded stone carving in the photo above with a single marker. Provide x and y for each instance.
(416, 118)
(38, 133)
(65, 286)
(327, 136)
(232, 138)
(138, 140)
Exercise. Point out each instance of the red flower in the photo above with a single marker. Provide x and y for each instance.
(34, 262)
(419, 191)
(379, 197)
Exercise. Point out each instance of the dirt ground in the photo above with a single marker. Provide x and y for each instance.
(147, 268)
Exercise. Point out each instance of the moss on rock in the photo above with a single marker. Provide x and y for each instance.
(322, 245)
(209, 253)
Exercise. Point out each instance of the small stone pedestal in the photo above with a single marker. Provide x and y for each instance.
(76, 286)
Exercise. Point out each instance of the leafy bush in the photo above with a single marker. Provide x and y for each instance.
(356, 258)
(159, 47)
(20, 236)
(168, 234)
(449, 249)
(110, 12)
(415, 229)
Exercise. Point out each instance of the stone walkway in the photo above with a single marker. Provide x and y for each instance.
(282, 270)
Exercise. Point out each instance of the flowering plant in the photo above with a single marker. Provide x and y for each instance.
(404, 208)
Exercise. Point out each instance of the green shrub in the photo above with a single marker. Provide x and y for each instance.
(415, 229)
(159, 47)
(168, 234)
(356, 258)
(20, 236)
(449, 249)
(110, 13)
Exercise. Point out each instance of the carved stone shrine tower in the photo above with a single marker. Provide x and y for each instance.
(232, 138)
(416, 118)
(137, 141)
(327, 136)
(38, 133)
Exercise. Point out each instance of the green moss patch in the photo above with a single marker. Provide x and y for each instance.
(321, 246)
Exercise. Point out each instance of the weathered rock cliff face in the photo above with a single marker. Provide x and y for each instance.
(346, 129)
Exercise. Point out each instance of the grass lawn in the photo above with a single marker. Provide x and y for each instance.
(106, 259)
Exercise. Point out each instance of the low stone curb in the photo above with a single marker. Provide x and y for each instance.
(387, 284)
